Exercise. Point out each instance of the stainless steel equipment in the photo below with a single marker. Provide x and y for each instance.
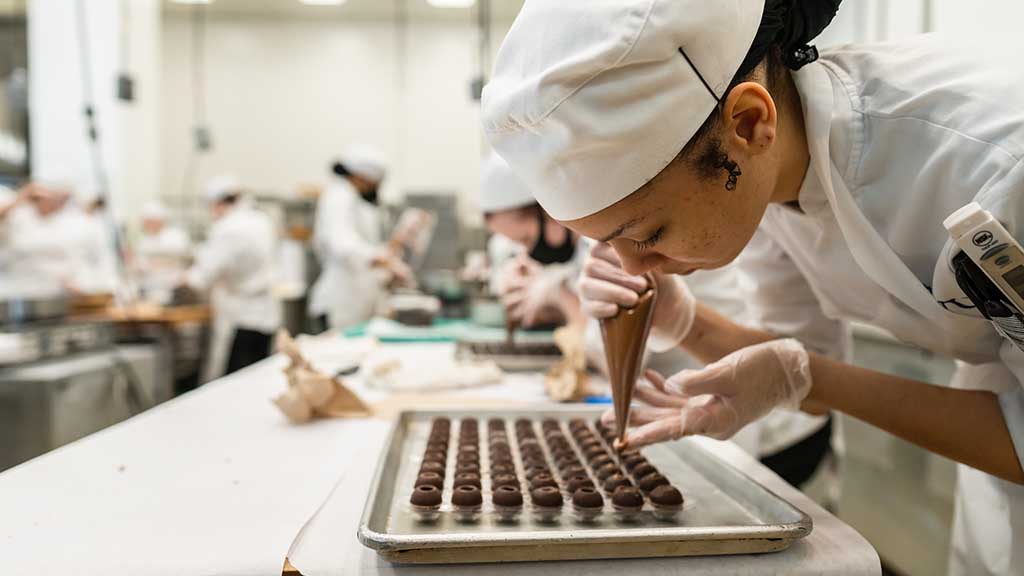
(519, 356)
(47, 404)
(24, 310)
(36, 341)
(726, 512)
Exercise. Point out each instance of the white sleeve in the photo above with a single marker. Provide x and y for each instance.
(779, 299)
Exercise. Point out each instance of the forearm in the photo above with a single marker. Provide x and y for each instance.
(964, 425)
(713, 336)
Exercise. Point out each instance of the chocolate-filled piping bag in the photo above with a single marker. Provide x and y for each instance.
(625, 337)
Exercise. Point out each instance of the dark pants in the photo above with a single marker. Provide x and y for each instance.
(800, 461)
(247, 347)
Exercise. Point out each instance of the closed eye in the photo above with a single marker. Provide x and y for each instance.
(650, 242)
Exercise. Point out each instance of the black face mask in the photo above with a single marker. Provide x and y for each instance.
(546, 253)
(371, 196)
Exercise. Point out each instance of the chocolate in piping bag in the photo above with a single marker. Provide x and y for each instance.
(625, 337)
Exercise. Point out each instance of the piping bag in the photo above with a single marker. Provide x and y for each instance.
(625, 337)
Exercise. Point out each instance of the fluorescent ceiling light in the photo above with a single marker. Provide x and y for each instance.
(322, 2)
(451, 3)
(192, 1)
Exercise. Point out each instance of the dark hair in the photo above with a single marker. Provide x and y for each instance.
(780, 45)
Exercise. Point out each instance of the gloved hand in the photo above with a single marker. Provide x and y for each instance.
(723, 397)
(528, 293)
(604, 286)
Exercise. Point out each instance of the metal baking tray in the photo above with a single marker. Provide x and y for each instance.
(522, 356)
(725, 511)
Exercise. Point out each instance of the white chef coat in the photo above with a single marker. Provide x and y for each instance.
(237, 263)
(347, 236)
(40, 254)
(902, 134)
(96, 248)
(162, 258)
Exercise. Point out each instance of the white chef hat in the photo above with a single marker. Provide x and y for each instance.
(365, 161)
(591, 99)
(500, 188)
(153, 211)
(222, 186)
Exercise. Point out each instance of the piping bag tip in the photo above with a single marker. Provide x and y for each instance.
(625, 337)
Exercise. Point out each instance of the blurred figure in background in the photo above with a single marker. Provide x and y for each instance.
(235, 265)
(161, 255)
(39, 229)
(348, 239)
(534, 259)
(96, 245)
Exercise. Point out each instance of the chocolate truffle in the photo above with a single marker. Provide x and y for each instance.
(568, 460)
(543, 480)
(468, 457)
(548, 423)
(631, 462)
(578, 481)
(502, 468)
(534, 462)
(623, 454)
(467, 496)
(433, 467)
(589, 443)
(570, 471)
(430, 479)
(468, 447)
(587, 497)
(467, 479)
(595, 452)
(601, 461)
(426, 495)
(627, 497)
(666, 495)
(434, 457)
(508, 496)
(495, 424)
(614, 482)
(536, 471)
(500, 456)
(467, 467)
(546, 497)
(499, 480)
(577, 423)
(607, 470)
(437, 447)
(652, 481)
(643, 470)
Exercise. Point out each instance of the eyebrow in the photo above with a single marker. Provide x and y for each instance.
(625, 226)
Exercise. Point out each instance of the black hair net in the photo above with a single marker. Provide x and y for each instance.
(790, 25)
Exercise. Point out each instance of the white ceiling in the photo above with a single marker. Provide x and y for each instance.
(379, 9)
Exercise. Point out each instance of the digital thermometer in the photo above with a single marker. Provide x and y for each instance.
(992, 248)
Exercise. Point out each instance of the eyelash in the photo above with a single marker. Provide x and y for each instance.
(650, 242)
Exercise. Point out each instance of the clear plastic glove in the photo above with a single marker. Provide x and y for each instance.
(527, 295)
(723, 397)
(605, 287)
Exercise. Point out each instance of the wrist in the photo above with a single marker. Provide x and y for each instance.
(676, 318)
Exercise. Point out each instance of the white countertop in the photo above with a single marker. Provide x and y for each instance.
(217, 482)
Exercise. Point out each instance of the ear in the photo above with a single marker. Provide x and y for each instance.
(750, 117)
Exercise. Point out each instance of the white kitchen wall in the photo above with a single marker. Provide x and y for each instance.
(129, 135)
(285, 95)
